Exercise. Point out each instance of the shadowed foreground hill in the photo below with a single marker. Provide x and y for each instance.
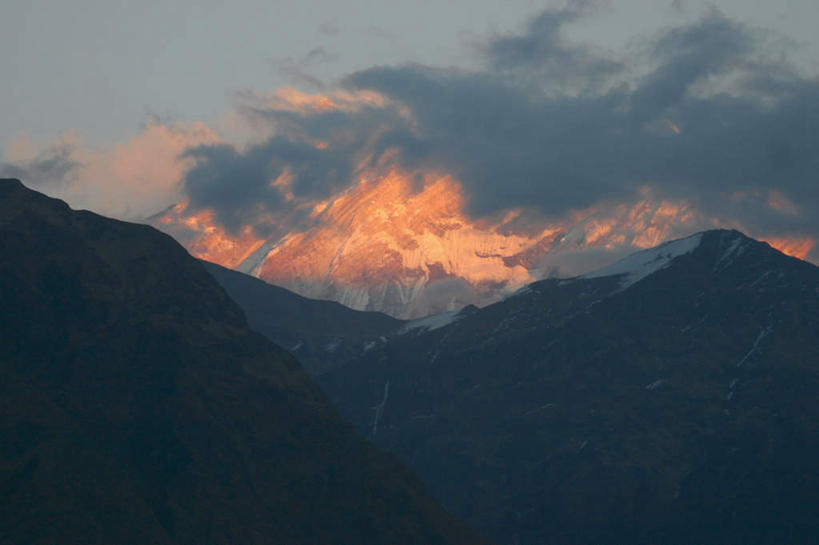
(137, 407)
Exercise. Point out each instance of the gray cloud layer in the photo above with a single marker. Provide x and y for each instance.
(542, 55)
(709, 116)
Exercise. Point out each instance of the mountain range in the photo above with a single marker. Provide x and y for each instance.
(402, 243)
(672, 397)
(136, 405)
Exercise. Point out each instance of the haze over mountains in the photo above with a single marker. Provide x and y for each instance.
(136, 406)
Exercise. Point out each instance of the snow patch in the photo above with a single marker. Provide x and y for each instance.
(642, 264)
(431, 323)
(252, 264)
(731, 253)
(755, 348)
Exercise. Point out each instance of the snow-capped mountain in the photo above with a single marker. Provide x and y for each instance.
(637, 266)
(392, 245)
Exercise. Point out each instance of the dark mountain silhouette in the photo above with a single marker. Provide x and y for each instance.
(136, 406)
(322, 334)
(670, 398)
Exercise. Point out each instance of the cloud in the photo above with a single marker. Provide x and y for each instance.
(543, 54)
(131, 180)
(686, 56)
(710, 119)
(318, 147)
(706, 112)
(700, 113)
(242, 187)
(329, 28)
(52, 167)
(298, 70)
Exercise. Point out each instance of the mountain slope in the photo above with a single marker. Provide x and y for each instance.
(322, 334)
(670, 398)
(137, 407)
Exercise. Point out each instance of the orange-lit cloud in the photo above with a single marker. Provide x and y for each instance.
(671, 125)
(779, 202)
(482, 179)
(295, 100)
(389, 232)
(206, 239)
(793, 246)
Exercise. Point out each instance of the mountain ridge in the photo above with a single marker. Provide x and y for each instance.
(323, 334)
(681, 408)
(137, 407)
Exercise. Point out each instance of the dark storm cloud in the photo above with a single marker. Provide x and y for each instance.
(238, 186)
(687, 56)
(506, 147)
(512, 148)
(710, 117)
(543, 53)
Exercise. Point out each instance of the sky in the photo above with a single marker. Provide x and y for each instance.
(128, 107)
(102, 67)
